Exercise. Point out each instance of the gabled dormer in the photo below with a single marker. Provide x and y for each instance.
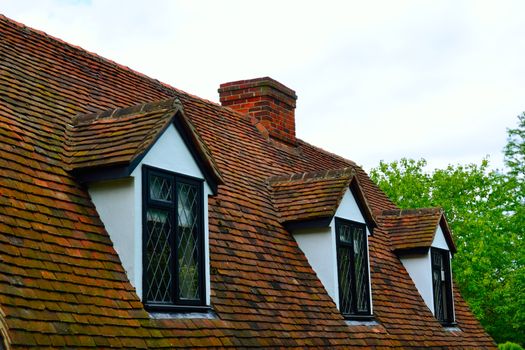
(149, 175)
(331, 221)
(423, 241)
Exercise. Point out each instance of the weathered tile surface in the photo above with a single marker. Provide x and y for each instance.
(414, 228)
(61, 282)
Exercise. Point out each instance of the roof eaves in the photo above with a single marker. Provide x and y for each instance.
(362, 203)
(447, 232)
(199, 150)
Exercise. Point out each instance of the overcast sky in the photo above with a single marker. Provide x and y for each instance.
(376, 80)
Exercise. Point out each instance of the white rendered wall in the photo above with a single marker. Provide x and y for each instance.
(119, 204)
(319, 245)
(114, 201)
(439, 239)
(420, 270)
(419, 267)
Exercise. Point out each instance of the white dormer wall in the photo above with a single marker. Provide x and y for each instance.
(419, 267)
(319, 245)
(119, 203)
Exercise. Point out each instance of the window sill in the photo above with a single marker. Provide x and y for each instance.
(451, 327)
(176, 308)
(359, 317)
(368, 321)
(360, 320)
(179, 312)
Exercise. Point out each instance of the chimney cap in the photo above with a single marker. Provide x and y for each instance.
(257, 82)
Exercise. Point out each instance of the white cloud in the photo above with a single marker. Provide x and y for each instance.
(375, 80)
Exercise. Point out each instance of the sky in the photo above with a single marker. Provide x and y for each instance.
(376, 80)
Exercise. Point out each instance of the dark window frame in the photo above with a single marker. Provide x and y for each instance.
(354, 313)
(446, 315)
(178, 304)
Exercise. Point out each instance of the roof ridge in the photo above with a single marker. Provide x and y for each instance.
(121, 112)
(313, 175)
(412, 211)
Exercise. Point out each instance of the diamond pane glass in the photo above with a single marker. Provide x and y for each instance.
(160, 188)
(188, 242)
(345, 233)
(361, 268)
(353, 268)
(345, 280)
(438, 285)
(158, 256)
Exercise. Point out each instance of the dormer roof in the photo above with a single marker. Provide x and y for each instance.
(312, 198)
(413, 230)
(110, 144)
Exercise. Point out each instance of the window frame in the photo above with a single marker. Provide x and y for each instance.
(354, 313)
(449, 298)
(148, 203)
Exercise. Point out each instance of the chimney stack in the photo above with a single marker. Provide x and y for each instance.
(269, 101)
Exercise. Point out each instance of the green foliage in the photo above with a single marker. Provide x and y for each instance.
(515, 149)
(486, 211)
(509, 346)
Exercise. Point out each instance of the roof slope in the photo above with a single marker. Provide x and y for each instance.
(61, 281)
(415, 229)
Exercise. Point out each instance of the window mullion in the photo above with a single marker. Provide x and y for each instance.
(200, 242)
(442, 291)
(448, 287)
(353, 282)
(175, 243)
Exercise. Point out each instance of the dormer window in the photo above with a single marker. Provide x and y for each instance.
(150, 185)
(352, 265)
(442, 286)
(423, 241)
(173, 249)
(330, 219)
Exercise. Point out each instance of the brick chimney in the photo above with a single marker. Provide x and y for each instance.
(269, 101)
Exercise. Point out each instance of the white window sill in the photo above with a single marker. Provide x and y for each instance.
(183, 315)
(368, 323)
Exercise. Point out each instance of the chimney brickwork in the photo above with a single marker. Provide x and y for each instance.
(269, 101)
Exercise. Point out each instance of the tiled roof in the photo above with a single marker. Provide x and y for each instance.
(117, 136)
(415, 229)
(310, 196)
(120, 137)
(62, 284)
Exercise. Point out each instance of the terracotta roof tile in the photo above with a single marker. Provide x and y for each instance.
(415, 229)
(61, 281)
(122, 136)
(310, 195)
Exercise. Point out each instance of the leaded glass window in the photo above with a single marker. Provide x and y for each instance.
(173, 240)
(352, 264)
(442, 286)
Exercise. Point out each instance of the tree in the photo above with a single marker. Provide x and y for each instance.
(485, 209)
(515, 149)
